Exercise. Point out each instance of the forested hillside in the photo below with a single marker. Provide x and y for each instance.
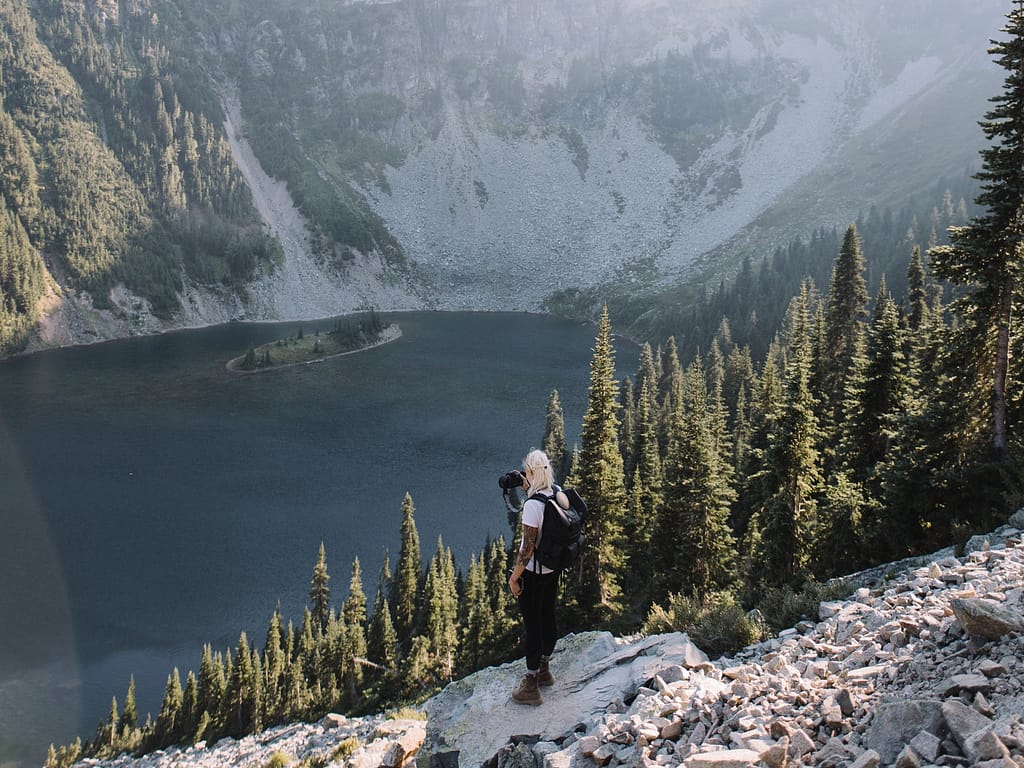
(748, 306)
(116, 168)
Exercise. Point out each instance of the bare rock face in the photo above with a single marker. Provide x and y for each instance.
(593, 672)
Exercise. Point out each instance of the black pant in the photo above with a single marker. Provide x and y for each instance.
(537, 605)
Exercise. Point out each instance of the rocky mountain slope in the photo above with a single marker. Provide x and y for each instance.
(577, 140)
(481, 154)
(918, 667)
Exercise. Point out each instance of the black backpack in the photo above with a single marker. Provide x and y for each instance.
(561, 539)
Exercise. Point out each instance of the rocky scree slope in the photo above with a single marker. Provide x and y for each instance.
(920, 669)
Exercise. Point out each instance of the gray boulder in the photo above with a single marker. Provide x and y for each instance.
(895, 724)
(963, 721)
(1017, 519)
(986, 618)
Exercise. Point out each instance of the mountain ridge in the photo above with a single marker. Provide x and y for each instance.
(430, 146)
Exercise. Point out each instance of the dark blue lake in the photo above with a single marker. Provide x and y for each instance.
(151, 501)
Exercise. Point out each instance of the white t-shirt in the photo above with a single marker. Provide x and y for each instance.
(533, 516)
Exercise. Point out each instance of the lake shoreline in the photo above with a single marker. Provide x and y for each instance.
(392, 333)
(34, 350)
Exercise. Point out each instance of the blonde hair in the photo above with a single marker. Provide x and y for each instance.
(537, 461)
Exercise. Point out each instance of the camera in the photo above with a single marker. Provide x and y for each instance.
(510, 480)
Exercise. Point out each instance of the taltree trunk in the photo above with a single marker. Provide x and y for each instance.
(999, 376)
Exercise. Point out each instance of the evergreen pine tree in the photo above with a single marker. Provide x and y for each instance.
(129, 714)
(440, 614)
(381, 631)
(846, 307)
(753, 487)
(553, 443)
(383, 644)
(987, 255)
(601, 484)
(190, 713)
(169, 723)
(502, 604)
(917, 292)
(476, 618)
(670, 383)
(275, 666)
(354, 614)
(319, 591)
(110, 727)
(699, 544)
(839, 547)
(644, 500)
(408, 575)
(240, 696)
(878, 390)
(792, 465)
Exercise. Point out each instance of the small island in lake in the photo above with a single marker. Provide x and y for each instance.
(350, 334)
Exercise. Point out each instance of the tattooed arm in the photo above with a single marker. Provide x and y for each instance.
(525, 553)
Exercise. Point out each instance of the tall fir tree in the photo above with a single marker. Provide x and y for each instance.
(275, 666)
(129, 713)
(408, 574)
(791, 465)
(845, 309)
(319, 591)
(917, 290)
(987, 255)
(441, 612)
(669, 384)
(502, 604)
(601, 484)
(878, 389)
(698, 545)
(553, 443)
(168, 722)
(190, 712)
(645, 498)
(354, 644)
(475, 617)
(241, 696)
(381, 638)
(108, 732)
(212, 685)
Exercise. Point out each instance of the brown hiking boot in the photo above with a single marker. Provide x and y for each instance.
(544, 676)
(528, 692)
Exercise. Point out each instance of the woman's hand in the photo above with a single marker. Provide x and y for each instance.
(515, 585)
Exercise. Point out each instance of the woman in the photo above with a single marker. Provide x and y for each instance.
(535, 586)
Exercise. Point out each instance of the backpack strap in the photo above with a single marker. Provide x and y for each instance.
(543, 499)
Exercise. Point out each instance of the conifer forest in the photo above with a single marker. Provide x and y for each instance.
(795, 425)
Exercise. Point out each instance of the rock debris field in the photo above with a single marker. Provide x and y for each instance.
(920, 669)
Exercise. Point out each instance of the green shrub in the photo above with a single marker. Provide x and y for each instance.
(280, 759)
(345, 749)
(717, 623)
(407, 713)
(784, 606)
